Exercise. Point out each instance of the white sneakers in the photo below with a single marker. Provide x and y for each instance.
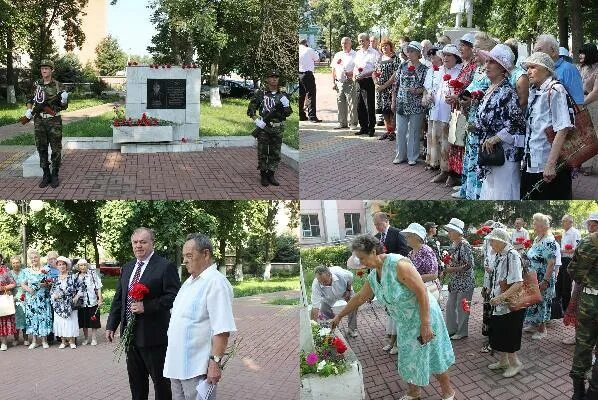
(33, 345)
(73, 346)
(457, 337)
(85, 342)
(94, 342)
(3, 347)
(394, 350)
(26, 343)
(407, 397)
(62, 345)
(45, 345)
(387, 347)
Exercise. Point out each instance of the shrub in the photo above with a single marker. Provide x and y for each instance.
(287, 249)
(325, 255)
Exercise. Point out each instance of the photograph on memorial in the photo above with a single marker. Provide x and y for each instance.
(149, 299)
(149, 100)
(441, 100)
(448, 299)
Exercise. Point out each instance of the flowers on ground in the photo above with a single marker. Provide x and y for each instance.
(328, 355)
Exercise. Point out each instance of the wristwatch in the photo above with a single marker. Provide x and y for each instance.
(217, 360)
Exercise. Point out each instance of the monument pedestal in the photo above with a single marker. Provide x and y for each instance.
(142, 134)
(457, 33)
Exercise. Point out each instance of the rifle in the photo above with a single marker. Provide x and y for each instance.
(42, 108)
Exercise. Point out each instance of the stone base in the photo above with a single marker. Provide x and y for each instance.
(142, 134)
(161, 148)
(457, 33)
(31, 167)
(89, 143)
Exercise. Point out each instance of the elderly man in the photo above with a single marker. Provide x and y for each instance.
(365, 64)
(584, 272)
(200, 325)
(569, 241)
(519, 232)
(391, 237)
(145, 355)
(330, 285)
(565, 72)
(343, 83)
(307, 82)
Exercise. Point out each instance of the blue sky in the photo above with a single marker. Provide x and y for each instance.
(129, 22)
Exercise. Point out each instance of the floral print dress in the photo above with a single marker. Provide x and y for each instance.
(38, 317)
(65, 317)
(543, 250)
(425, 262)
(415, 362)
(461, 254)
(405, 79)
(19, 294)
(386, 68)
(7, 323)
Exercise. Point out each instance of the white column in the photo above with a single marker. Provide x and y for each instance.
(330, 216)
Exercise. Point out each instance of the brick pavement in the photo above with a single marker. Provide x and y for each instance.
(339, 165)
(212, 174)
(265, 367)
(545, 373)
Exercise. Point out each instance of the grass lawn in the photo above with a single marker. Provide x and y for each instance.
(94, 126)
(283, 302)
(10, 113)
(231, 120)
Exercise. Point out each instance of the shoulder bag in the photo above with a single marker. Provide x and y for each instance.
(7, 304)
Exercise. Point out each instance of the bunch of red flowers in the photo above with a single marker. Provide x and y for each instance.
(568, 246)
(466, 305)
(456, 84)
(157, 66)
(435, 68)
(143, 121)
(137, 292)
(446, 259)
(446, 77)
(483, 231)
(189, 66)
(520, 240)
(477, 94)
(527, 244)
(476, 242)
(339, 345)
(411, 68)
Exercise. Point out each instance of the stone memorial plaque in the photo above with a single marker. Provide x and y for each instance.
(166, 93)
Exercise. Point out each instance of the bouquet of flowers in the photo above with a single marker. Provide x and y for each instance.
(327, 358)
(137, 292)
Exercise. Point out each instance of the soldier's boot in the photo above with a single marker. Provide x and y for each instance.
(46, 178)
(54, 182)
(264, 178)
(592, 394)
(272, 179)
(579, 389)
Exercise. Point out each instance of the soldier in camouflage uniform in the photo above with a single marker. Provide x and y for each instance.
(584, 271)
(48, 128)
(273, 108)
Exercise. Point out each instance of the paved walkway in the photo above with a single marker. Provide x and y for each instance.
(212, 174)
(265, 366)
(8, 131)
(545, 373)
(339, 165)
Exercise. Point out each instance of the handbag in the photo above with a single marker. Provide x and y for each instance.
(7, 304)
(528, 293)
(581, 144)
(494, 159)
(457, 128)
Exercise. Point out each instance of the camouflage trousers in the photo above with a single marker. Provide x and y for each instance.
(269, 145)
(586, 336)
(48, 133)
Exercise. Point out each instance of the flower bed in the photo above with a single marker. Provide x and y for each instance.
(328, 357)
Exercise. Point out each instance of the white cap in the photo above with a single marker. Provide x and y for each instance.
(468, 37)
(416, 229)
(456, 225)
(593, 216)
(451, 49)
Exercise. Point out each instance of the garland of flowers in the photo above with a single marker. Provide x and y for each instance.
(328, 356)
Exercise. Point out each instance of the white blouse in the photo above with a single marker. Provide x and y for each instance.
(92, 283)
(441, 111)
(202, 309)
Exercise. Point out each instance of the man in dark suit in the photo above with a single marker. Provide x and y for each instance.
(145, 356)
(392, 238)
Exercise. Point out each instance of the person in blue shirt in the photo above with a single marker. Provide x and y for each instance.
(51, 264)
(565, 72)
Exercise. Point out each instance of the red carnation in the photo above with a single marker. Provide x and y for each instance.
(360, 273)
(446, 259)
(479, 232)
(360, 70)
(465, 305)
(23, 297)
(446, 77)
(568, 246)
(435, 68)
(520, 240)
(138, 291)
(339, 345)
(339, 61)
(411, 68)
(94, 318)
(477, 242)
(455, 84)
(527, 244)
(486, 229)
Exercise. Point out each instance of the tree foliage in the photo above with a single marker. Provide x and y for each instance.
(110, 58)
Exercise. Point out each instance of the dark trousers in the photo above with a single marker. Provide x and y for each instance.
(307, 87)
(564, 284)
(366, 105)
(143, 362)
(558, 189)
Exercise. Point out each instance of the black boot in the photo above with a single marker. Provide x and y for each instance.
(46, 178)
(272, 179)
(265, 181)
(54, 182)
(579, 389)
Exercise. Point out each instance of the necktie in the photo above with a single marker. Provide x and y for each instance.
(135, 279)
(383, 237)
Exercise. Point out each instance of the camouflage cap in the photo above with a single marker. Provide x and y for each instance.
(47, 63)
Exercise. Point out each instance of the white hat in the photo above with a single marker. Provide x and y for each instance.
(64, 260)
(499, 234)
(502, 54)
(414, 45)
(416, 229)
(564, 52)
(541, 59)
(455, 224)
(451, 49)
(82, 261)
(593, 216)
(468, 37)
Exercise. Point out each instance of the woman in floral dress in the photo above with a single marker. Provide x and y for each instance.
(36, 284)
(542, 259)
(18, 273)
(65, 293)
(385, 69)
(7, 322)
(424, 348)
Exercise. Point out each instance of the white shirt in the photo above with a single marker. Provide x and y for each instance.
(572, 237)
(489, 258)
(517, 234)
(512, 275)
(202, 309)
(441, 111)
(330, 294)
(347, 64)
(92, 283)
(307, 58)
(145, 262)
(541, 116)
(366, 59)
(557, 261)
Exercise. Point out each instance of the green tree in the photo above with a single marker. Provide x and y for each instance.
(68, 69)
(110, 58)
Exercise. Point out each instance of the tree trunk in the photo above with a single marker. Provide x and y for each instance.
(238, 265)
(563, 22)
(222, 248)
(576, 28)
(96, 250)
(214, 88)
(11, 97)
(267, 269)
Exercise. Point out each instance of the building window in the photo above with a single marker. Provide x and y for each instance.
(352, 225)
(310, 225)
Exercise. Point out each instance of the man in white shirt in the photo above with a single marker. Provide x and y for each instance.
(343, 64)
(307, 82)
(330, 285)
(365, 62)
(564, 285)
(200, 326)
(519, 232)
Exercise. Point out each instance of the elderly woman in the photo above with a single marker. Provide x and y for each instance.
(383, 78)
(65, 294)
(423, 257)
(36, 284)
(542, 258)
(7, 322)
(588, 67)
(548, 110)
(18, 274)
(440, 113)
(431, 84)
(91, 288)
(461, 285)
(407, 104)
(424, 347)
(500, 124)
(505, 325)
